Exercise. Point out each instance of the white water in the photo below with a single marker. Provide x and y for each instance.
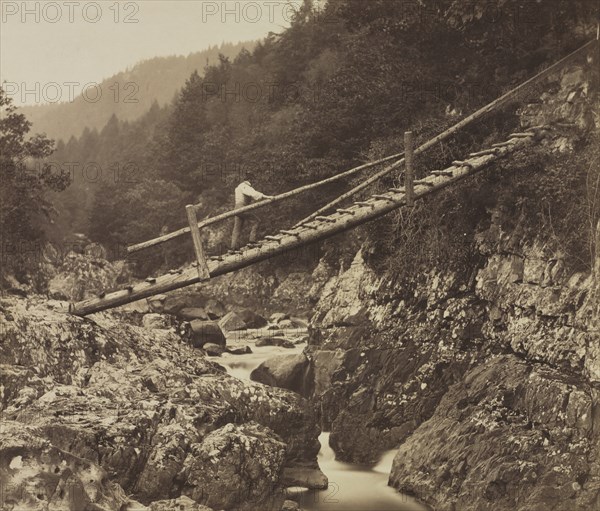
(241, 366)
(352, 487)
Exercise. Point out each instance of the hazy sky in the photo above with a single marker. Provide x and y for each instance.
(87, 41)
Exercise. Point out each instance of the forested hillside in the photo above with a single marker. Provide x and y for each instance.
(337, 88)
(128, 94)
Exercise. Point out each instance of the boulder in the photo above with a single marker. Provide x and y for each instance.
(250, 458)
(157, 303)
(299, 322)
(278, 316)
(214, 308)
(232, 322)
(192, 313)
(290, 505)
(244, 350)
(286, 323)
(214, 350)
(155, 320)
(305, 477)
(251, 319)
(274, 341)
(290, 372)
(204, 332)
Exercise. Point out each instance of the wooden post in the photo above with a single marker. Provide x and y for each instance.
(203, 273)
(409, 174)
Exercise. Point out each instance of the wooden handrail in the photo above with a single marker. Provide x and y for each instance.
(505, 98)
(224, 216)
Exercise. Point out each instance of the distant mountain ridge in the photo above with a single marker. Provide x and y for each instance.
(128, 94)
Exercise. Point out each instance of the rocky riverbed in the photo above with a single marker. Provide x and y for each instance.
(125, 415)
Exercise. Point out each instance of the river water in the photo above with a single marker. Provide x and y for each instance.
(352, 487)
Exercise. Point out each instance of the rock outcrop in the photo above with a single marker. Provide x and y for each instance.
(35, 475)
(147, 409)
(79, 277)
(508, 436)
(482, 380)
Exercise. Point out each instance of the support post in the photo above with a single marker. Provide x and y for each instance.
(203, 273)
(409, 174)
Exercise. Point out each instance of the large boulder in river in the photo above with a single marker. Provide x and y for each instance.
(204, 332)
(251, 319)
(213, 350)
(249, 457)
(242, 320)
(275, 341)
(290, 372)
(232, 322)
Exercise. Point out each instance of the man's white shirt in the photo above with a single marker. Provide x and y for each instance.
(244, 191)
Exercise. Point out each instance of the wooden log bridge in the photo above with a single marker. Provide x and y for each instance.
(320, 228)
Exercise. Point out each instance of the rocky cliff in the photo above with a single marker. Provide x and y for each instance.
(487, 377)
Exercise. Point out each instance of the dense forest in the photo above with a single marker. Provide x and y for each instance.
(337, 88)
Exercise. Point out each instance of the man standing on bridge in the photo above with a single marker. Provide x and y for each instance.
(245, 195)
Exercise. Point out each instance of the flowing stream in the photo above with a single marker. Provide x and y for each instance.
(352, 487)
